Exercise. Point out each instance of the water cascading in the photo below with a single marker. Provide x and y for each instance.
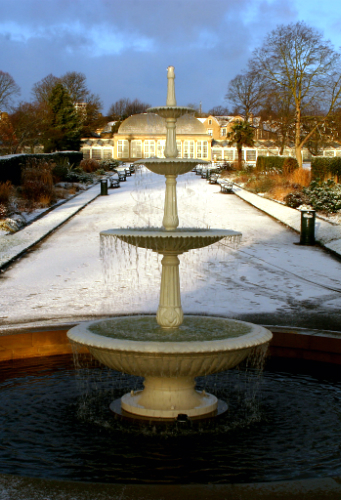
(172, 350)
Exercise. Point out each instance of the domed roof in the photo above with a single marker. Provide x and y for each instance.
(152, 124)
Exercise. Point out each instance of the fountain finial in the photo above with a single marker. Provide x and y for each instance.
(171, 100)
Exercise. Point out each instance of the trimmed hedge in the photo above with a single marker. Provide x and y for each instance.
(10, 166)
(325, 167)
(276, 164)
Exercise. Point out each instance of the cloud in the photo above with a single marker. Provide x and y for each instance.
(124, 47)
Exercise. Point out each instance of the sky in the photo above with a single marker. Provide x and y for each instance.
(124, 46)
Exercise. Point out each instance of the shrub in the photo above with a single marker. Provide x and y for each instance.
(290, 165)
(295, 199)
(78, 175)
(37, 180)
(276, 164)
(3, 211)
(60, 172)
(11, 166)
(6, 190)
(325, 168)
(262, 184)
(89, 165)
(325, 196)
(109, 164)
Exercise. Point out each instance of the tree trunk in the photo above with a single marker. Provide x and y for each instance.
(298, 146)
(283, 141)
(240, 157)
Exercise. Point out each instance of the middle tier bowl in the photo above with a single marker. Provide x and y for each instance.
(179, 241)
(171, 166)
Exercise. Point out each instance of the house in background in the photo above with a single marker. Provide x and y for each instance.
(144, 136)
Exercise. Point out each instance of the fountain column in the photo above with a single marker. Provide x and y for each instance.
(170, 219)
(169, 313)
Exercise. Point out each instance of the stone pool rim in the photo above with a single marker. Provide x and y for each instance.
(32, 341)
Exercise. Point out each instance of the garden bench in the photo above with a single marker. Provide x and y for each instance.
(226, 186)
(114, 182)
(122, 174)
(213, 179)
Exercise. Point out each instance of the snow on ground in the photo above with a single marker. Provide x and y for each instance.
(267, 279)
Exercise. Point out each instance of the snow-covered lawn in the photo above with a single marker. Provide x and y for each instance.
(267, 279)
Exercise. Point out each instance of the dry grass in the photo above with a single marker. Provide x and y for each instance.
(89, 165)
(301, 177)
(45, 200)
(242, 179)
(6, 190)
(37, 180)
(279, 192)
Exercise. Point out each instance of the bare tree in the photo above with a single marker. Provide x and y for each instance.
(219, 111)
(8, 89)
(29, 123)
(297, 61)
(42, 90)
(246, 91)
(124, 107)
(278, 117)
(76, 85)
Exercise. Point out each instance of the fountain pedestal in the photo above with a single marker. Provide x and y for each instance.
(167, 397)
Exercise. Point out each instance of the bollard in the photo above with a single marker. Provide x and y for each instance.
(104, 187)
(307, 227)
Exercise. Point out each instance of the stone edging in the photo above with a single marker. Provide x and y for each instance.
(327, 235)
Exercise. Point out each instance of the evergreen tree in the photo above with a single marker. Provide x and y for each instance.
(242, 135)
(63, 131)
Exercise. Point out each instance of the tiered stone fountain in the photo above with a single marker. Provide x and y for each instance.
(171, 351)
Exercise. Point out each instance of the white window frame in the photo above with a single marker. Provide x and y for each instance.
(202, 149)
(136, 148)
(161, 144)
(251, 155)
(123, 148)
(229, 154)
(148, 148)
(179, 148)
(189, 149)
(97, 153)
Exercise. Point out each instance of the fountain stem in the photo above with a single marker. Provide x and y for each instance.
(170, 219)
(171, 150)
(169, 313)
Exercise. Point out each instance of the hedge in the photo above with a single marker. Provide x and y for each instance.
(10, 165)
(324, 168)
(276, 164)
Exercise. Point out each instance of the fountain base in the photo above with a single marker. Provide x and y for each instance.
(116, 408)
(168, 397)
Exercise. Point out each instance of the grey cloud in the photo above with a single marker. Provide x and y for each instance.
(209, 43)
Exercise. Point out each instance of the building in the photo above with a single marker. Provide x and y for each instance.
(144, 136)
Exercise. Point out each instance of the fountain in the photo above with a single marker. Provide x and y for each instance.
(171, 351)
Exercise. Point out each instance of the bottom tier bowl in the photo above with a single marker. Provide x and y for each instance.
(169, 359)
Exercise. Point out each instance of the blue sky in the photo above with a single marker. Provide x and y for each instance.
(124, 46)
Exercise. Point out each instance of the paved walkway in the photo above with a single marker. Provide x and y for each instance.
(267, 279)
(14, 245)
